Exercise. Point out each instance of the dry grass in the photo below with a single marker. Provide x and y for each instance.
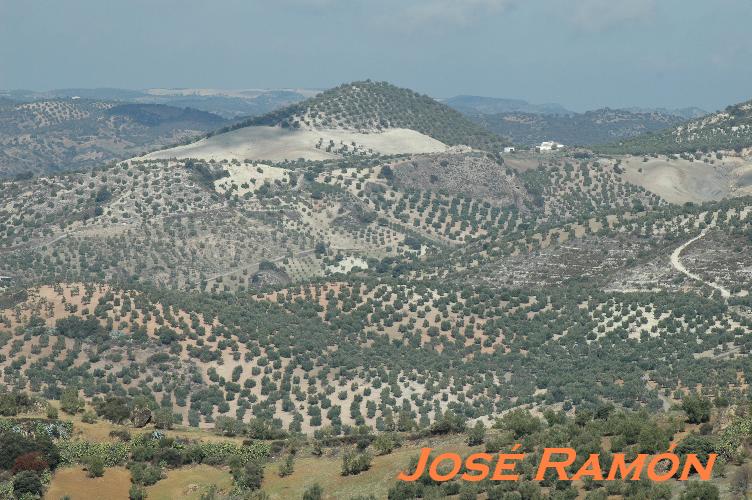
(74, 483)
(189, 483)
(325, 471)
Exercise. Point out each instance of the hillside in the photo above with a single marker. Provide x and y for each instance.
(309, 309)
(229, 104)
(70, 134)
(373, 106)
(592, 127)
(317, 311)
(728, 130)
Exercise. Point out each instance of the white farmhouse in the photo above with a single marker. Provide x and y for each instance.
(549, 146)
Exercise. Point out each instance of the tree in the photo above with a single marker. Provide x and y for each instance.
(248, 476)
(697, 408)
(70, 403)
(114, 409)
(27, 482)
(477, 434)
(163, 418)
(520, 422)
(700, 490)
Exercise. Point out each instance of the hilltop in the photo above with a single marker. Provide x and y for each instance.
(69, 134)
(728, 130)
(361, 118)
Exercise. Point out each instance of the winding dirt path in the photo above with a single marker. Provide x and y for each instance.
(676, 262)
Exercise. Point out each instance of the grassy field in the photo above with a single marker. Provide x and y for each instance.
(74, 483)
(189, 483)
(325, 471)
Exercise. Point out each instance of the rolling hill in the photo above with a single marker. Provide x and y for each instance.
(71, 134)
(322, 311)
(582, 129)
(728, 130)
(229, 104)
(357, 118)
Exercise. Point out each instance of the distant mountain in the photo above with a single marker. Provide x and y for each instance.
(593, 127)
(688, 113)
(372, 106)
(226, 103)
(730, 129)
(470, 104)
(69, 134)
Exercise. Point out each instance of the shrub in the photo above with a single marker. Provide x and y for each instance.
(89, 417)
(355, 463)
(95, 466)
(27, 482)
(315, 492)
(248, 476)
(33, 461)
(137, 492)
(144, 473)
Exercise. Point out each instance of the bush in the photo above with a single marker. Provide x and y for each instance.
(94, 466)
(33, 461)
(355, 463)
(697, 490)
(137, 492)
(144, 474)
(89, 417)
(315, 492)
(477, 434)
(75, 452)
(697, 408)
(27, 482)
(248, 476)
(52, 413)
(288, 466)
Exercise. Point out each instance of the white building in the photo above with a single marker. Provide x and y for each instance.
(549, 146)
(509, 149)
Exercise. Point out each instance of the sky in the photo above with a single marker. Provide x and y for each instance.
(583, 54)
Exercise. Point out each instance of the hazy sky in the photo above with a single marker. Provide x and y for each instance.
(580, 53)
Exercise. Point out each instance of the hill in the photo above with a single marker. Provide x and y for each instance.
(370, 106)
(583, 129)
(229, 104)
(320, 311)
(470, 104)
(361, 118)
(728, 130)
(69, 134)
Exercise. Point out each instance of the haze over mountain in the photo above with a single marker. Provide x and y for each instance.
(469, 104)
(226, 103)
